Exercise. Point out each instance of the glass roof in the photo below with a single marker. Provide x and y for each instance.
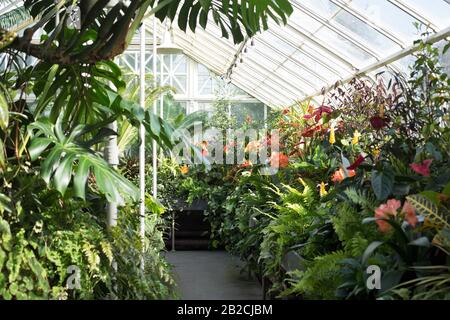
(323, 42)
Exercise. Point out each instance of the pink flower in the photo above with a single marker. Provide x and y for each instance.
(410, 214)
(385, 211)
(383, 226)
(423, 168)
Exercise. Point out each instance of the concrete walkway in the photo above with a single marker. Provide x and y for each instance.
(211, 275)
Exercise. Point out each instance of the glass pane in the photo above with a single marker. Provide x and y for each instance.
(362, 30)
(437, 11)
(324, 8)
(179, 83)
(277, 42)
(385, 14)
(347, 49)
(303, 21)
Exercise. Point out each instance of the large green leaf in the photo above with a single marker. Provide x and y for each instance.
(68, 160)
(382, 184)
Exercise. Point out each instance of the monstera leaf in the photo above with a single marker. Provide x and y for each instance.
(68, 160)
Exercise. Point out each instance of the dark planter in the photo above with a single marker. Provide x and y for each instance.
(196, 205)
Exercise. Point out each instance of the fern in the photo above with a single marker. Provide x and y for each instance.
(320, 280)
(92, 256)
(107, 250)
(356, 245)
(360, 198)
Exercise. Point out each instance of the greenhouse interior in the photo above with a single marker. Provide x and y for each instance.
(225, 150)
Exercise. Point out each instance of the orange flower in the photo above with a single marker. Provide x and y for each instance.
(184, 169)
(279, 160)
(340, 176)
(351, 173)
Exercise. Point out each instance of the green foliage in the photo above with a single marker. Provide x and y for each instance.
(320, 280)
(348, 216)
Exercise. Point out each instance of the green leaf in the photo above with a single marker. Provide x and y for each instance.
(82, 173)
(38, 146)
(2, 154)
(4, 112)
(421, 242)
(155, 126)
(382, 184)
(63, 174)
(370, 250)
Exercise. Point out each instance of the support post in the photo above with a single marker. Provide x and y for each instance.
(111, 154)
(142, 208)
(155, 111)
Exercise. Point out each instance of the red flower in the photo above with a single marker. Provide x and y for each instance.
(204, 152)
(377, 123)
(286, 111)
(357, 163)
(247, 164)
(423, 168)
(307, 116)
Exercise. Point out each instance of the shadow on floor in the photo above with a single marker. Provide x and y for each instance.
(211, 275)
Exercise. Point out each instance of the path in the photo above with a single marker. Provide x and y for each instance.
(211, 275)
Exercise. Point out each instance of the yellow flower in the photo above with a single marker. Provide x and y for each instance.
(184, 169)
(323, 190)
(381, 111)
(332, 136)
(376, 152)
(356, 136)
